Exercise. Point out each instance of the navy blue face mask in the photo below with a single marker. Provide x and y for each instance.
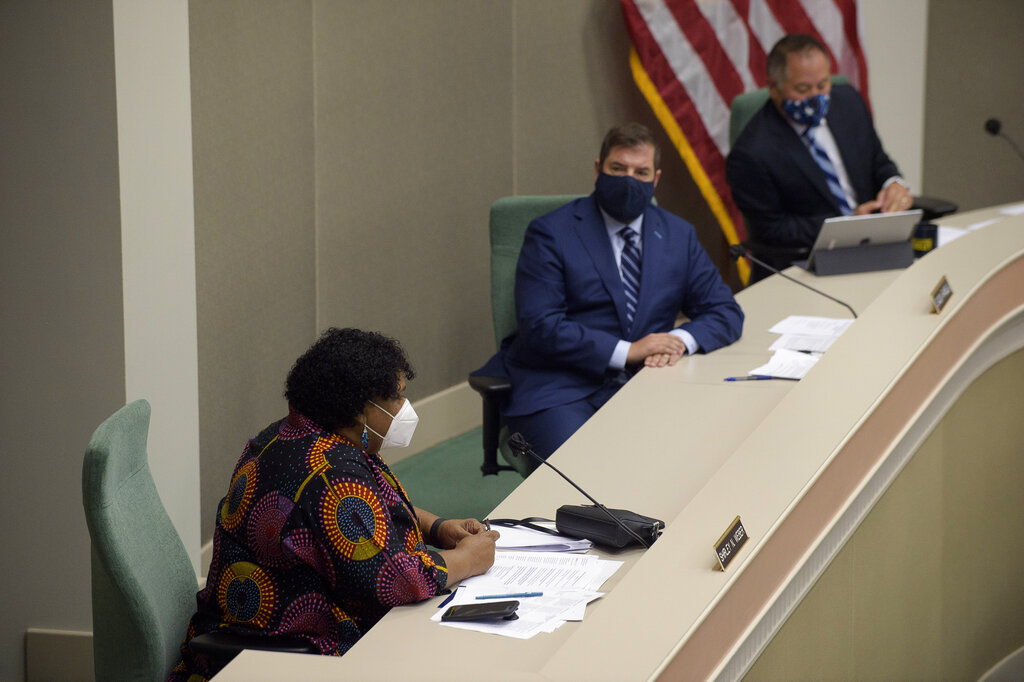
(622, 197)
(809, 112)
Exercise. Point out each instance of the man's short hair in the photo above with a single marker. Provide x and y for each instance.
(794, 43)
(629, 135)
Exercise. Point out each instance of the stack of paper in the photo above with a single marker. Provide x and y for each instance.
(802, 341)
(566, 583)
(529, 540)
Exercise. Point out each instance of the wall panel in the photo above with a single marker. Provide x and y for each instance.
(62, 337)
(252, 123)
(975, 72)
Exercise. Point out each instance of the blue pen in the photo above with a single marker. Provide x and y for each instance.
(750, 377)
(517, 595)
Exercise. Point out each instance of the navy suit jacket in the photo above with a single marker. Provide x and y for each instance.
(571, 307)
(778, 186)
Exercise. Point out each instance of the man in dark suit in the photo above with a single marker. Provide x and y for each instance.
(599, 284)
(809, 154)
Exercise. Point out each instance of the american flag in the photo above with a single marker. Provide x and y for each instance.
(690, 58)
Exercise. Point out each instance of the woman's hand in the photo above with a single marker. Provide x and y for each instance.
(452, 531)
(473, 555)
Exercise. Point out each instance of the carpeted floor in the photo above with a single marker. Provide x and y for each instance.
(446, 479)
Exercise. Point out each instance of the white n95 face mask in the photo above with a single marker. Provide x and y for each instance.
(403, 425)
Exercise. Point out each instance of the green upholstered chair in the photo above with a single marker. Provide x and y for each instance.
(509, 219)
(143, 584)
(743, 108)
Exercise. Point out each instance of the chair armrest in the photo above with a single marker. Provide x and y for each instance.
(934, 207)
(220, 646)
(494, 391)
(491, 388)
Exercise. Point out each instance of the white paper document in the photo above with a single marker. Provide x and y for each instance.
(786, 364)
(545, 571)
(809, 343)
(949, 234)
(536, 614)
(982, 224)
(1016, 209)
(814, 326)
(529, 540)
(568, 582)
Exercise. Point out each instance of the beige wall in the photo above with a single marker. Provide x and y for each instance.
(253, 156)
(61, 337)
(975, 72)
(895, 35)
(929, 586)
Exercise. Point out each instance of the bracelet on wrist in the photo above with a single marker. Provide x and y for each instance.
(432, 535)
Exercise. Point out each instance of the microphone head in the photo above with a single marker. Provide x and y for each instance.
(517, 442)
(993, 126)
(737, 251)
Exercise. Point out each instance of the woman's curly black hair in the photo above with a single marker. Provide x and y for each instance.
(332, 381)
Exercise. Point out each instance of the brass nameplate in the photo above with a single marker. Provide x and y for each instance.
(941, 295)
(729, 545)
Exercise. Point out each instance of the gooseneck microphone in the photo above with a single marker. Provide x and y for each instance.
(737, 251)
(994, 127)
(521, 445)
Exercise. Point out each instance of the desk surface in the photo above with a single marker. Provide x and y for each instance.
(682, 445)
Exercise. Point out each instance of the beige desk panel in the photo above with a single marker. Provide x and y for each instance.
(683, 445)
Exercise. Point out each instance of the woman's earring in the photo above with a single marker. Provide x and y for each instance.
(366, 438)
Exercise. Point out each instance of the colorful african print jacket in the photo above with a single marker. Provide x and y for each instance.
(315, 538)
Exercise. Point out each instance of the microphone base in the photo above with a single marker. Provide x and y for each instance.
(591, 523)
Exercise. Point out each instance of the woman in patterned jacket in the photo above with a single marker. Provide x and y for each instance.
(316, 538)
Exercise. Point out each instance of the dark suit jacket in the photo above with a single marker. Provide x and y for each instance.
(571, 309)
(778, 186)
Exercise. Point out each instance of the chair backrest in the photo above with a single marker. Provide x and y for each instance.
(143, 583)
(510, 216)
(746, 104)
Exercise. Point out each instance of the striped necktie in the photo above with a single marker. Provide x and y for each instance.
(825, 164)
(630, 270)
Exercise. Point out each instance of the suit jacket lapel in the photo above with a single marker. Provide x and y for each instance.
(845, 133)
(594, 235)
(789, 142)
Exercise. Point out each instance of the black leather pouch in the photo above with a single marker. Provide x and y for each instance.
(591, 523)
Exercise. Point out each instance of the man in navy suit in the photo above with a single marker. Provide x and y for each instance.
(809, 154)
(582, 328)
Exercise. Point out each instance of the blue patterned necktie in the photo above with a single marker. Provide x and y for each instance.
(825, 164)
(630, 270)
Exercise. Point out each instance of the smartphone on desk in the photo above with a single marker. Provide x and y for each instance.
(495, 610)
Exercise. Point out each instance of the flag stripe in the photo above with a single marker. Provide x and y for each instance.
(730, 32)
(690, 58)
(700, 35)
(851, 34)
(697, 100)
(727, 214)
(706, 151)
(828, 22)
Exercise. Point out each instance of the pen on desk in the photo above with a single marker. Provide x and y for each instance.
(514, 595)
(750, 377)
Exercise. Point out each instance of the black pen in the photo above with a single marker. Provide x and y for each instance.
(759, 377)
